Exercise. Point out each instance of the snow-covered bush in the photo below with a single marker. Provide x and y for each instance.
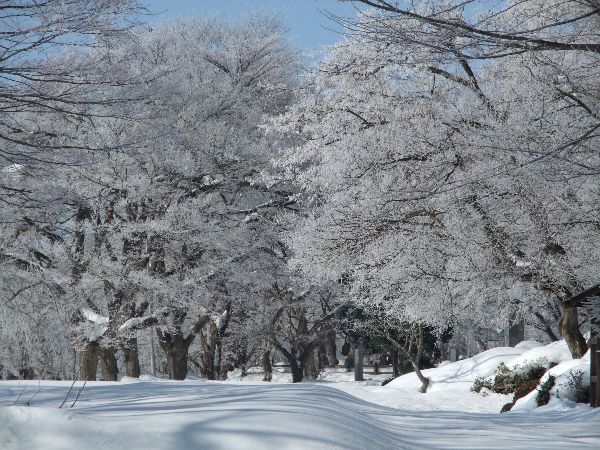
(543, 393)
(576, 388)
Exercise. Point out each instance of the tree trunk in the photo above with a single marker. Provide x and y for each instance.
(132, 360)
(349, 363)
(395, 371)
(568, 324)
(265, 360)
(331, 349)
(416, 360)
(88, 361)
(297, 372)
(424, 380)
(108, 364)
(27, 373)
(310, 366)
(177, 361)
(217, 362)
(358, 363)
(375, 364)
(176, 350)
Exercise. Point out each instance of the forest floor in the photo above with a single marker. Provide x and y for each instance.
(332, 412)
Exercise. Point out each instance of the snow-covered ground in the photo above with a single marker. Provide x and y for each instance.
(332, 412)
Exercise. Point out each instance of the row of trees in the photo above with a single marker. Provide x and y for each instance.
(451, 152)
(434, 172)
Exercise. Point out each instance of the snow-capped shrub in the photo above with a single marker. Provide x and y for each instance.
(480, 383)
(543, 395)
(521, 379)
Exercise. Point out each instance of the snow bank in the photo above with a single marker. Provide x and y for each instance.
(556, 352)
(214, 415)
(451, 382)
(561, 395)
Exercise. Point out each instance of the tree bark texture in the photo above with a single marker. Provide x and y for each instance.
(265, 360)
(108, 364)
(568, 325)
(358, 363)
(132, 360)
(176, 349)
(88, 361)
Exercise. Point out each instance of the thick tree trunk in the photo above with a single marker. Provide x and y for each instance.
(132, 360)
(297, 372)
(177, 362)
(568, 324)
(88, 361)
(331, 349)
(358, 363)
(27, 373)
(176, 350)
(310, 366)
(108, 364)
(349, 363)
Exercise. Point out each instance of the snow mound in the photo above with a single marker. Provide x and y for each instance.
(450, 386)
(561, 395)
(556, 352)
(214, 415)
(466, 370)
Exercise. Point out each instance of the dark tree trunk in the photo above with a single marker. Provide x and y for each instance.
(358, 363)
(177, 361)
(88, 361)
(27, 373)
(568, 324)
(331, 349)
(208, 343)
(297, 372)
(217, 372)
(132, 360)
(349, 363)
(108, 364)
(395, 371)
(176, 350)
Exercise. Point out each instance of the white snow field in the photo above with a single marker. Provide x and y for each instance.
(328, 414)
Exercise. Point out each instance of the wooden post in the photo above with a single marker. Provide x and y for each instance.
(594, 365)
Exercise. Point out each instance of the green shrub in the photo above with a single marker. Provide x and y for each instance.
(543, 396)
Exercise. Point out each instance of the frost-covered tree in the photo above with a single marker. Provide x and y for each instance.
(449, 180)
(178, 231)
(44, 79)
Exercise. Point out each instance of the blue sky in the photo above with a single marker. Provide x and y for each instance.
(309, 28)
